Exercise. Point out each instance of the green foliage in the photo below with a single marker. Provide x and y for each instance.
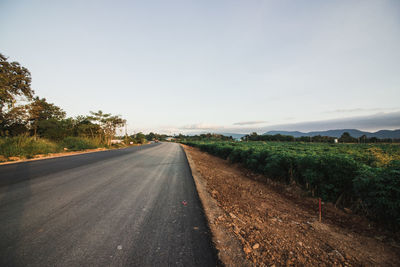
(23, 146)
(79, 143)
(108, 124)
(345, 138)
(15, 84)
(15, 81)
(203, 137)
(154, 136)
(265, 137)
(56, 130)
(362, 176)
(23, 115)
(27, 147)
(41, 111)
(14, 121)
(379, 188)
(138, 138)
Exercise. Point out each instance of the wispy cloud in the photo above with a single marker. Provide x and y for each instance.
(355, 110)
(249, 122)
(373, 122)
(201, 126)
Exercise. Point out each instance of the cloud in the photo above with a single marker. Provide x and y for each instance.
(201, 126)
(249, 122)
(374, 122)
(354, 110)
(370, 123)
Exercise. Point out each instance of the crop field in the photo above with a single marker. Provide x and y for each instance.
(363, 177)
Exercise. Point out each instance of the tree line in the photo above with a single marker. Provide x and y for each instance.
(345, 138)
(24, 113)
(201, 137)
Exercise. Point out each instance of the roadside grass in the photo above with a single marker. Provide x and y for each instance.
(79, 143)
(26, 147)
(12, 148)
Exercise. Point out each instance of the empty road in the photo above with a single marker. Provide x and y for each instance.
(131, 207)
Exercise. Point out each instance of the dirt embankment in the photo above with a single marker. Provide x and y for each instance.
(276, 225)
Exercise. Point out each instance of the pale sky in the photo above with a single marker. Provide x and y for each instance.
(181, 66)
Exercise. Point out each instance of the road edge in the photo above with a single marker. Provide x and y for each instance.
(63, 154)
(229, 249)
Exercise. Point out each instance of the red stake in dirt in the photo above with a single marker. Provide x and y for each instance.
(319, 210)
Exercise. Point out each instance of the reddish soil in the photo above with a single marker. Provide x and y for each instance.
(278, 225)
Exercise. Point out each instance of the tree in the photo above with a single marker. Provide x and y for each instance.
(110, 127)
(55, 129)
(15, 121)
(253, 137)
(83, 126)
(40, 110)
(347, 138)
(155, 136)
(107, 123)
(363, 138)
(151, 136)
(15, 81)
(140, 138)
(15, 84)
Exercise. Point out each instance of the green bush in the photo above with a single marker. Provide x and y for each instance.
(24, 146)
(78, 143)
(27, 147)
(379, 190)
(347, 174)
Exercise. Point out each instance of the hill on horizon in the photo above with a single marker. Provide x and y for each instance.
(338, 132)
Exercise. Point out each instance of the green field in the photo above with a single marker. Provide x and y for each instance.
(364, 177)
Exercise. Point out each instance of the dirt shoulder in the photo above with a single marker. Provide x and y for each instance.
(276, 225)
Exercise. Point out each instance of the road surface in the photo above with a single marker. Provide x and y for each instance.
(131, 207)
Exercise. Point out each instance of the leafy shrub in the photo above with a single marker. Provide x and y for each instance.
(379, 190)
(349, 173)
(78, 143)
(24, 146)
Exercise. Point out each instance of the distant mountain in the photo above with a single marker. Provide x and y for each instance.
(234, 135)
(338, 133)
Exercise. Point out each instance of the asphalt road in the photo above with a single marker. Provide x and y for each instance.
(129, 207)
